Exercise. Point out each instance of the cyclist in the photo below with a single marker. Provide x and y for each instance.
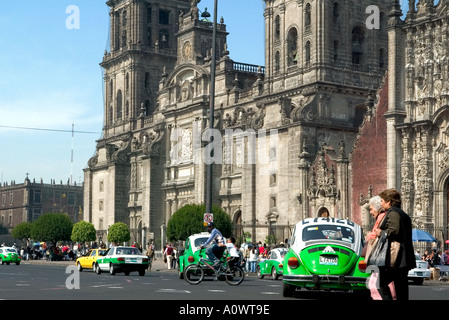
(215, 251)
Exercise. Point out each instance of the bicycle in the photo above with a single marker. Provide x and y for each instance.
(195, 273)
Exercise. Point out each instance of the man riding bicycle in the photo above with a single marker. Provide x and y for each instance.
(215, 251)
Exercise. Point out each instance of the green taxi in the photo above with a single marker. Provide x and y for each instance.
(324, 255)
(191, 251)
(9, 255)
(122, 259)
(272, 265)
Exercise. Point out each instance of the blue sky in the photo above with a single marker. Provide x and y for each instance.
(51, 79)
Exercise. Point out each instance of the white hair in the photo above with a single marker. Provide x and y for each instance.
(375, 202)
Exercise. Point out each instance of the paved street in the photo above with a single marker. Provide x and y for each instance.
(52, 281)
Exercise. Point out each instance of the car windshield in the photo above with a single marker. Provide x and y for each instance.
(328, 232)
(8, 250)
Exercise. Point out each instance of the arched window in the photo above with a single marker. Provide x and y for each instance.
(358, 38)
(277, 61)
(292, 47)
(308, 15)
(127, 84)
(277, 28)
(308, 48)
(336, 49)
(119, 104)
(336, 13)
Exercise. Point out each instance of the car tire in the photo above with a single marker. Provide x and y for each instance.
(93, 267)
(142, 272)
(111, 270)
(79, 267)
(418, 282)
(259, 273)
(180, 275)
(274, 274)
(97, 269)
(126, 273)
(17, 263)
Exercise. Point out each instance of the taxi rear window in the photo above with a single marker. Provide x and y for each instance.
(200, 241)
(328, 232)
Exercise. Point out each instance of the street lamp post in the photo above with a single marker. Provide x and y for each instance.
(211, 110)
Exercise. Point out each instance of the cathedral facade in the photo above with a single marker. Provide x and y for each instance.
(288, 136)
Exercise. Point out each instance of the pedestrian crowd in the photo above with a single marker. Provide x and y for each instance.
(435, 257)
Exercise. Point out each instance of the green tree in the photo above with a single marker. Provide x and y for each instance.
(118, 232)
(83, 231)
(189, 219)
(52, 227)
(22, 231)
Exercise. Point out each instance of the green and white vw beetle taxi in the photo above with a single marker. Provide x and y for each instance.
(122, 259)
(191, 253)
(324, 255)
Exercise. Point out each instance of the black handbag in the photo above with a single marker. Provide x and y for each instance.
(380, 253)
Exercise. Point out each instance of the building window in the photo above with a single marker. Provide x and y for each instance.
(164, 38)
(11, 197)
(358, 37)
(101, 186)
(336, 13)
(292, 47)
(308, 15)
(119, 104)
(273, 179)
(336, 49)
(277, 28)
(101, 205)
(272, 202)
(382, 58)
(277, 62)
(37, 196)
(164, 17)
(127, 84)
(308, 48)
(149, 13)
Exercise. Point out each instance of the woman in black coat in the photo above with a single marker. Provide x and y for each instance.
(398, 227)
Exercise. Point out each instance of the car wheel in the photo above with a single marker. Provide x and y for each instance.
(180, 274)
(97, 269)
(111, 269)
(79, 267)
(142, 272)
(274, 274)
(126, 273)
(93, 267)
(259, 273)
(1, 261)
(17, 263)
(418, 282)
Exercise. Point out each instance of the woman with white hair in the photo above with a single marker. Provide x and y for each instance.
(378, 213)
(376, 210)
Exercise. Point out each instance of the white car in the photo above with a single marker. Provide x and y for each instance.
(421, 272)
(122, 259)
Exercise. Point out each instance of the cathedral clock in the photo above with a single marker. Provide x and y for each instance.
(187, 49)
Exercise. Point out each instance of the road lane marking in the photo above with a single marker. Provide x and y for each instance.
(173, 291)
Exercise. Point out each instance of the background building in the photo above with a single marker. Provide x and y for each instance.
(27, 201)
